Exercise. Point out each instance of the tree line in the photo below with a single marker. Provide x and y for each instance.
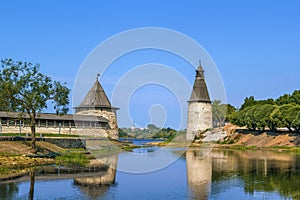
(271, 114)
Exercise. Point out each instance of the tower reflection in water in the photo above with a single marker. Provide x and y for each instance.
(199, 173)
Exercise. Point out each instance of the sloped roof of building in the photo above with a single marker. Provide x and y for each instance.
(200, 92)
(51, 116)
(95, 98)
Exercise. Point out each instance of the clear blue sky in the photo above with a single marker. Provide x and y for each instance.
(255, 44)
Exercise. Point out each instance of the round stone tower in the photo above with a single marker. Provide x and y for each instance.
(97, 104)
(199, 107)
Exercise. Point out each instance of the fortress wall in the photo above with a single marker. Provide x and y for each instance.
(109, 115)
(72, 131)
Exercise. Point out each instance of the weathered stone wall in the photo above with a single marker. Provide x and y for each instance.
(66, 142)
(199, 118)
(61, 142)
(98, 132)
(109, 115)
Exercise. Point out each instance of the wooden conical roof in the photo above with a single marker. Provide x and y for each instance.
(200, 92)
(95, 98)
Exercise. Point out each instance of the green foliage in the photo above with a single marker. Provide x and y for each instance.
(280, 116)
(151, 132)
(165, 133)
(72, 158)
(123, 134)
(230, 112)
(218, 112)
(221, 112)
(285, 99)
(258, 115)
(250, 101)
(294, 98)
(24, 89)
(294, 117)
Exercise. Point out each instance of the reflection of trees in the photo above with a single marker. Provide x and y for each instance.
(32, 181)
(8, 190)
(260, 171)
(285, 181)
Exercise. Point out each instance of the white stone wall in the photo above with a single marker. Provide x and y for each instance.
(199, 118)
(109, 115)
(51, 130)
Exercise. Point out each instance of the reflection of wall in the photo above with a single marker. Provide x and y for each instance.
(106, 178)
(199, 171)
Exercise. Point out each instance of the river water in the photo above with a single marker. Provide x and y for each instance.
(215, 174)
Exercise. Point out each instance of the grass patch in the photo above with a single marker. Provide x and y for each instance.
(72, 158)
(130, 147)
(4, 170)
(296, 150)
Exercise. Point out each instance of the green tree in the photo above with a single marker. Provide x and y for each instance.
(248, 101)
(24, 89)
(284, 99)
(123, 133)
(251, 121)
(294, 117)
(240, 118)
(263, 117)
(218, 112)
(280, 116)
(295, 97)
(231, 110)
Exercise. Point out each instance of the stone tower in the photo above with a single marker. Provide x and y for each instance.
(199, 107)
(97, 104)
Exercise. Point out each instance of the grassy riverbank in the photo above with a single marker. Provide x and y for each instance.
(16, 157)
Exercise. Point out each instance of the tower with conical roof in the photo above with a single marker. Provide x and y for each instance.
(97, 104)
(199, 107)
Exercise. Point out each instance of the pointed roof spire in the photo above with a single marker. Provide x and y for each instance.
(200, 71)
(96, 97)
(200, 66)
(200, 92)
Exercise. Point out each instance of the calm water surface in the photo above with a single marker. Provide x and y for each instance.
(223, 174)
